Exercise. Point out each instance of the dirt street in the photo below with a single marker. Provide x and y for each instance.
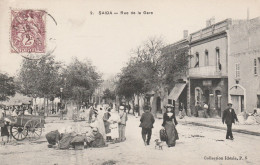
(197, 145)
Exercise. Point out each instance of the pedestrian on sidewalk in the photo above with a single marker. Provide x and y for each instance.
(136, 110)
(181, 107)
(197, 108)
(147, 120)
(205, 108)
(107, 123)
(229, 117)
(169, 123)
(122, 123)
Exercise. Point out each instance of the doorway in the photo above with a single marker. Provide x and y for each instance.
(218, 101)
(238, 103)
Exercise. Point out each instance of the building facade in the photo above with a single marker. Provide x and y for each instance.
(244, 65)
(208, 68)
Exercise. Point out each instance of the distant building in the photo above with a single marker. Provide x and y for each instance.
(208, 67)
(244, 65)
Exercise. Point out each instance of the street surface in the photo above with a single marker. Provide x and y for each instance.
(197, 145)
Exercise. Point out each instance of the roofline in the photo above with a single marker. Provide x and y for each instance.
(228, 19)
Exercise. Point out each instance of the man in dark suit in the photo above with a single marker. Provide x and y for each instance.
(147, 121)
(229, 117)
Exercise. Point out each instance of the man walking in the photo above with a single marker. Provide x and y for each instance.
(122, 123)
(229, 117)
(147, 121)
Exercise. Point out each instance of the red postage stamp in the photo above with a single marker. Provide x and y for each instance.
(28, 31)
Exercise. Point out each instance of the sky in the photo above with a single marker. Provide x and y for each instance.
(107, 40)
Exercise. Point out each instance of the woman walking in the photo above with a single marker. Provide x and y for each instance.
(169, 123)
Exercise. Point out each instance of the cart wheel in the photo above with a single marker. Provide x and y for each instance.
(18, 133)
(34, 129)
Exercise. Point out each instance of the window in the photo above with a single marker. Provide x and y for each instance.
(258, 101)
(237, 70)
(218, 64)
(206, 58)
(255, 67)
(197, 60)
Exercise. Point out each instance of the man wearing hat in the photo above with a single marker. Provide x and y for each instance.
(147, 121)
(122, 123)
(229, 117)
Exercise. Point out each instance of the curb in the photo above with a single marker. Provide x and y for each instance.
(234, 130)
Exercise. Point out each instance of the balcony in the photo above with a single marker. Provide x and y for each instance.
(205, 72)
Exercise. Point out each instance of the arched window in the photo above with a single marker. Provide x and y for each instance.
(206, 58)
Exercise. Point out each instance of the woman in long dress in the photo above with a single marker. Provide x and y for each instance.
(113, 120)
(100, 122)
(169, 123)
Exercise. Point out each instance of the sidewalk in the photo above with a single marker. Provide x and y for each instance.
(217, 124)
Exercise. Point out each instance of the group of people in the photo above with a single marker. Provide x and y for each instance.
(204, 108)
(169, 124)
(107, 125)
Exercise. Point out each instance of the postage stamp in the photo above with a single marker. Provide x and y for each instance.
(28, 31)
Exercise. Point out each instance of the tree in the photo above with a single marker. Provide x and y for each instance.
(79, 80)
(174, 64)
(40, 77)
(7, 87)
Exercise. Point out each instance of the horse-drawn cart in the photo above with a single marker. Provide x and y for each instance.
(26, 126)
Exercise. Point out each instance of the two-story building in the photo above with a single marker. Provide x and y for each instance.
(208, 67)
(244, 65)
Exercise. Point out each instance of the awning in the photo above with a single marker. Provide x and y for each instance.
(17, 99)
(176, 91)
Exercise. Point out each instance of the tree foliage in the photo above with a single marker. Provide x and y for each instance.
(39, 77)
(149, 70)
(79, 80)
(7, 87)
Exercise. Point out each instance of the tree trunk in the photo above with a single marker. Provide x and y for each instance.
(35, 106)
(133, 105)
(47, 106)
(138, 105)
(44, 101)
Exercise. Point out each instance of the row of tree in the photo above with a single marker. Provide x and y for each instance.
(149, 69)
(45, 77)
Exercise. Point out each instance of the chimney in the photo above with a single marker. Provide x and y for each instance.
(212, 20)
(185, 33)
(208, 23)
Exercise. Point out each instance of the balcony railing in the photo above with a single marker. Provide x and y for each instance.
(206, 72)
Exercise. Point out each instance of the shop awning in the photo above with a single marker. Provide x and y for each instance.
(176, 91)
